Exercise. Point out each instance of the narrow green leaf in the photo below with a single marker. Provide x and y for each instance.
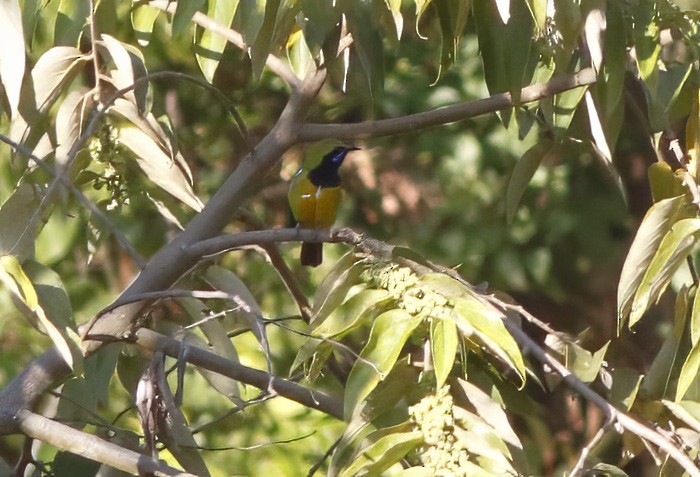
(394, 7)
(382, 454)
(355, 311)
(686, 411)
(646, 39)
(319, 21)
(63, 337)
(491, 412)
(690, 372)
(143, 17)
(54, 70)
(443, 342)
(72, 18)
(491, 33)
(474, 318)
(158, 166)
(672, 252)
(367, 44)
(453, 18)
(503, 7)
(608, 470)
(16, 235)
(388, 336)
(625, 385)
(210, 46)
(12, 56)
(695, 320)
(523, 172)
(335, 287)
(657, 222)
(261, 47)
(421, 7)
(183, 15)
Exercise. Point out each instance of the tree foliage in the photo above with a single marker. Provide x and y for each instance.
(153, 309)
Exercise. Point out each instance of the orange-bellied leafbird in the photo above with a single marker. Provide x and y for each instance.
(314, 195)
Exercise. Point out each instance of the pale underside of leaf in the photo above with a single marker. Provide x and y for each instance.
(12, 57)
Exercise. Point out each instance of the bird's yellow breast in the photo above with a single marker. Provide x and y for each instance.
(313, 206)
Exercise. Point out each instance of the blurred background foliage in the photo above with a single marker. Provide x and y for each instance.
(440, 192)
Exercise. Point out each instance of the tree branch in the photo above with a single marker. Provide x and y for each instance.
(447, 114)
(152, 341)
(91, 446)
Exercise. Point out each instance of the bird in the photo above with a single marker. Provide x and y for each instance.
(314, 195)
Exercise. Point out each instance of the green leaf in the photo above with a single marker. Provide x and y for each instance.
(12, 56)
(690, 372)
(686, 411)
(183, 15)
(261, 47)
(129, 66)
(16, 233)
(475, 318)
(523, 172)
(695, 320)
(383, 453)
(453, 18)
(394, 7)
(72, 18)
(584, 364)
(665, 184)
(335, 287)
(491, 412)
(657, 222)
(52, 73)
(158, 165)
(646, 39)
(142, 19)
(210, 46)
(607, 470)
(28, 302)
(319, 20)
(367, 44)
(443, 342)
(386, 340)
(625, 385)
(357, 310)
(672, 252)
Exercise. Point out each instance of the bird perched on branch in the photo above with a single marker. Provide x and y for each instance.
(314, 195)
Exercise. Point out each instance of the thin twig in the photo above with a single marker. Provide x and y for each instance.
(314, 468)
(578, 467)
(97, 91)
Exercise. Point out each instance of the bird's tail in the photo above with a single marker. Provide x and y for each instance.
(311, 253)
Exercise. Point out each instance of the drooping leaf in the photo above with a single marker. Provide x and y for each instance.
(503, 7)
(474, 318)
(672, 252)
(355, 311)
(584, 364)
(453, 17)
(335, 286)
(70, 22)
(657, 222)
(158, 166)
(261, 47)
(183, 15)
(129, 66)
(491, 412)
(523, 172)
(320, 23)
(12, 57)
(690, 373)
(367, 44)
(443, 343)
(383, 452)
(211, 45)
(686, 411)
(54, 70)
(17, 234)
(625, 385)
(646, 40)
(394, 7)
(219, 343)
(143, 17)
(66, 340)
(388, 336)
(69, 122)
(247, 308)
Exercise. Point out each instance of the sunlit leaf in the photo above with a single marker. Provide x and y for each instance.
(129, 66)
(71, 20)
(183, 15)
(672, 252)
(664, 183)
(158, 166)
(335, 286)
(443, 343)
(142, 19)
(53, 71)
(12, 57)
(69, 121)
(261, 47)
(383, 453)
(474, 318)
(388, 336)
(690, 372)
(503, 7)
(491, 412)
(692, 136)
(686, 411)
(66, 340)
(394, 7)
(523, 172)
(657, 222)
(355, 311)
(210, 46)
(646, 40)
